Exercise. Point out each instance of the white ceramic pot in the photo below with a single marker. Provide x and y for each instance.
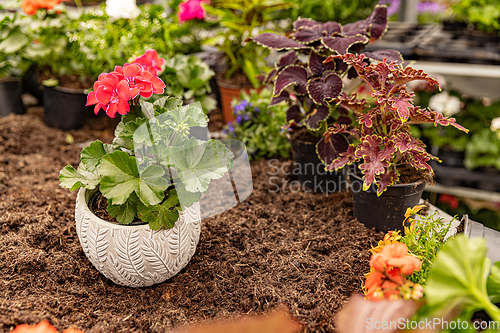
(136, 256)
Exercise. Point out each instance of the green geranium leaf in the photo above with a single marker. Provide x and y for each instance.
(199, 162)
(75, 179)
(126, 212)
(92, 154)
(190, 115)
(121, 178)
(208, 103)
(14, 42)
(124, 133)
(147, 108)
(162, 216)
(459, 275)
(186, 198)
(493, 283)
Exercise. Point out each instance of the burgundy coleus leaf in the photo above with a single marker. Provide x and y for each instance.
(317, 115)
(419, 160)
(357, 106)
(388, 178)
(270, 76)
(323, 90)
(292, 75)
(402, 104)
(423, 116)
(278, 99)
(317, 66)
(409, 74)
(340, 44)
(338, 128)
(374, 26)
(377, 22)
(304, 22)
(287, 59)
(345, 158)
(340, 66)
(309, 34)
(376, 153)
(278, 42)
(389, 55)
(405, 142)
(331, 146)
(366, 119)
(293, 115)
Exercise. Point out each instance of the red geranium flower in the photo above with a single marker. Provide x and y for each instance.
(110, 94)
(150, 62)
(140, 81)
(42, 327)
(449, 199)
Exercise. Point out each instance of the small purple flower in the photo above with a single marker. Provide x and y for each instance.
(230, 126)
(256, 109)
(238, 119)
(432, 7)
(240, 106)
(247, 117)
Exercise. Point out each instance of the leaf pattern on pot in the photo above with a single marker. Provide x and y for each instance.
(125, 276)
(156, 255)
(128, 250)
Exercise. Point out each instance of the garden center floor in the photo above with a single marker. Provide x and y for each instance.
(303, 250)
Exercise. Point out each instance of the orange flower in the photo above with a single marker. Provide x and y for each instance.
(31, 6)
(42, 327)
(390, 238)
(395, 255)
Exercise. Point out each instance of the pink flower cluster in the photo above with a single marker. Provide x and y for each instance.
(191, 9)
(113, 91)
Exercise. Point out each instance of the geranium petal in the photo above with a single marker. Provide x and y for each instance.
(103, 94)
(91, 99)
(123, 107)
(132, 70)
(111, 110)
(123, 89)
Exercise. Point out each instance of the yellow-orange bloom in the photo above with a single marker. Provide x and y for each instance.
(31, 6)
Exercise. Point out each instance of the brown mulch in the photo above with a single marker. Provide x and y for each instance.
(299, 249)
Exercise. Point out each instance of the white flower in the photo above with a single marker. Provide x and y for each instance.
(117, 9)
(445, 104)
(495, 124)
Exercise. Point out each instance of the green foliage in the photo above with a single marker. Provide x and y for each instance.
(333, 10)
(240, 20)
(424, 241)
(484, 14)
(154, 168)
(460, 278)
(258, 125)
(14, 41)
(481, 146)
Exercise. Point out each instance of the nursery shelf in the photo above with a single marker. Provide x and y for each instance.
(472, 79)
(465, 192)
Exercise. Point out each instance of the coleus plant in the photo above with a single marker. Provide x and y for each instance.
(155, 167)
(381, 133)
(309, 84)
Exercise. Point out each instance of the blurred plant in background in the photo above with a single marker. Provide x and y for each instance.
(258, 125)
(340, 11)
(240, 20)
(484, 14)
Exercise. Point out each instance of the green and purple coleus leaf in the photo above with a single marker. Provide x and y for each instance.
(325, 89)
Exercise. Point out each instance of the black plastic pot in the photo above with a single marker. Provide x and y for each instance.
(385, 212)
(10, 97)
(32, 84)
(311, 171)
(65, 108)
(476, 229)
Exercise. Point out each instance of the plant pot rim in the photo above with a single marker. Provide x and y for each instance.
(222, 83)
(10, 79)
(68, 90)
(82, 200)
(414, 184)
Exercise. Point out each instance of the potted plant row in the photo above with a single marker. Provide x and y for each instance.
(393, 166)
(146, 185)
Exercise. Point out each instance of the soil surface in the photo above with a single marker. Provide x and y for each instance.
(300, 249)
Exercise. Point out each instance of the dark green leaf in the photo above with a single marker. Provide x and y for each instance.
(126, 212)
(162, 216)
